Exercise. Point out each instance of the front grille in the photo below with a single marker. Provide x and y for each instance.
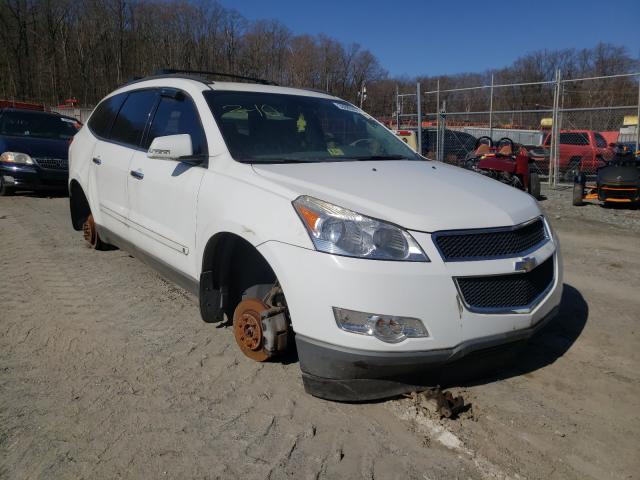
(506, 292)
(459, 245)
(52, 163)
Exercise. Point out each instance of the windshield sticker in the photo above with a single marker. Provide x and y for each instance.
(335, 151)
(301, 124)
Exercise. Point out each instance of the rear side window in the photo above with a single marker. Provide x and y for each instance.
(102, 119)
(132, 118)
(574, 138)
(600, 141)
(176, 116)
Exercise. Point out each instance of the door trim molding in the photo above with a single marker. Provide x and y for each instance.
(167, 242)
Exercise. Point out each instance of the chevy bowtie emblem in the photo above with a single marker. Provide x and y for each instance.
(525, 264)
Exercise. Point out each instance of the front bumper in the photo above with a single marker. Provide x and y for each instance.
(359, 367)
(32, 177)
(343, 374)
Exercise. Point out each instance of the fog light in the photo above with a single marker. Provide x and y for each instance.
(388, 328)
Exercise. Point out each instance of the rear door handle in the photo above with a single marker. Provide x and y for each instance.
(137, 174)
(97, 161)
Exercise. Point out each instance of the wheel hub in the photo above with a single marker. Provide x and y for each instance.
(247, 328)
(89, 231)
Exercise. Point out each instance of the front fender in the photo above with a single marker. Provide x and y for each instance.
(250, 211)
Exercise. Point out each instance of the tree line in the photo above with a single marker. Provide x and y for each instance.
(83, 49)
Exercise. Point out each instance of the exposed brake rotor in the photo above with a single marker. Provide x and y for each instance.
(90, 232)
(247, 328)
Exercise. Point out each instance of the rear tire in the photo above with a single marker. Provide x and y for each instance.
(578, 194)
(534, 185)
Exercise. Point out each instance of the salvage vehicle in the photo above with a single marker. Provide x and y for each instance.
(33, 150)
(581, 151)
(617, 182)
(301, 219)
(506, 162)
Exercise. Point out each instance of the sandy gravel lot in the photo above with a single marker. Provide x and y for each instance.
(107, 371)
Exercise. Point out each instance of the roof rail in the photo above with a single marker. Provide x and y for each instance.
(174, 71)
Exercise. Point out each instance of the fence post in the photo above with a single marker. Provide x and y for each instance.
(419, 112)
(553, 144)
(638, 119)
(491, 110)
(442, 131)
(438, 120)
(559, 101)
(397, 108)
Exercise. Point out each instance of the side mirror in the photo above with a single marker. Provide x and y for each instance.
(171, 147)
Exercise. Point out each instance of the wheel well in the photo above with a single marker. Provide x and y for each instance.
(230, 265)
(78, 205)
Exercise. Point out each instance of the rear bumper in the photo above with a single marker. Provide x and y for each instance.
(32, 177)
(346, 374)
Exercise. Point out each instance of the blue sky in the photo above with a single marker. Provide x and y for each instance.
(453, 36)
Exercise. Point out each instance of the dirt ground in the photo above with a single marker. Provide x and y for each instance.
(107, 371)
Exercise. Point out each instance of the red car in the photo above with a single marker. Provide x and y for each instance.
(580, 151)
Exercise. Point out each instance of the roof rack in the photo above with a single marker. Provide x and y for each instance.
(174, 71)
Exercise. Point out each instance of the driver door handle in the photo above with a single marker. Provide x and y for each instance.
(137, 174)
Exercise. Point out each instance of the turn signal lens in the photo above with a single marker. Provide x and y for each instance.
(388, 328)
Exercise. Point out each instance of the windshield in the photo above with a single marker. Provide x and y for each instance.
(273, 128)
(31, 124)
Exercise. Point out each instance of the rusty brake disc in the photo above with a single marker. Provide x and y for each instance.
(247, 328)
(90, 232)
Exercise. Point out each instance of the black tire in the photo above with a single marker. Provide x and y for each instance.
(578, 194)
(534, 185)
(5, 191)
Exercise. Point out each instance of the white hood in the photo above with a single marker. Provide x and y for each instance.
(418, 195)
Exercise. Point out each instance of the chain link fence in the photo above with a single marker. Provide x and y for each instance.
(567, 126)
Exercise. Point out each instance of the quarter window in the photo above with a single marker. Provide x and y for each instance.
(176, 116)
(132, 118)
(600, 141)
(102, 118)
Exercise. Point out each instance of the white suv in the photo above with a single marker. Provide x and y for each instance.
(301, 218)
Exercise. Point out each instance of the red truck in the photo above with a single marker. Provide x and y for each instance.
(580, 151)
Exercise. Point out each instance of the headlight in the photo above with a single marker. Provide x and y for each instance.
(340, 231)
(16, 157)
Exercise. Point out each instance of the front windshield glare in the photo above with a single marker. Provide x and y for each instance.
(41, 125)
(273, 128)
